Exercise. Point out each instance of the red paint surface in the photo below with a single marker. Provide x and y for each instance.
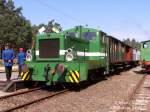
(128, 54)
(146, 63)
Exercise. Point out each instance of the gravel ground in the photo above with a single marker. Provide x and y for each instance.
(140, 102)
(99, 97)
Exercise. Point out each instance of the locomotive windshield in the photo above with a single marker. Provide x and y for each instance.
(73, 34)
(144, 45)
(89, 35)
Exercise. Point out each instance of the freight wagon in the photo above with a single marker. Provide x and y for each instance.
(75, 55)
(136, 56)
(121, 55)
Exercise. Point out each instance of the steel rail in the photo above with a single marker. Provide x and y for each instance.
(19, 93)
(52, 94)
(132, 95)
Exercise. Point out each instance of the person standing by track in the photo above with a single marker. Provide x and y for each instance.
(21, 59)
(8, 57)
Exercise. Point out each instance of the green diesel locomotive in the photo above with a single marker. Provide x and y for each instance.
(69, 56)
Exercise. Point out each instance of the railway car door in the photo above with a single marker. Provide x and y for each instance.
(110, 52)
(106, 51)
(107, 55)
(105, 47)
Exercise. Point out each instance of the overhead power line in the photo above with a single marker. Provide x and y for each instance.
(59, 11)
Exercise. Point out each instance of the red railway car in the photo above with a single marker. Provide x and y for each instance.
(128, 54)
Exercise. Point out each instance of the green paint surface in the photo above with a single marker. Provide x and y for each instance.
(145, 51)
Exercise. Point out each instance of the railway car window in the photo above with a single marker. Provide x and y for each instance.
(89, 35)
(145, 45)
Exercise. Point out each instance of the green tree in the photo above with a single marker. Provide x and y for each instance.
(14, 28)
(133, 43)
(127, 41)
(48, 27)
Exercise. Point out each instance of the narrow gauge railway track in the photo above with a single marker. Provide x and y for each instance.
(127, 105)
(22, 99)
(19, 93)
(133, 94)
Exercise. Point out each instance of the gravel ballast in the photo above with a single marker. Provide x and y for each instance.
(100, 97)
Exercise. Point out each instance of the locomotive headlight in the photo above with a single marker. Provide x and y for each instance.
(69, 55)
(29, 55)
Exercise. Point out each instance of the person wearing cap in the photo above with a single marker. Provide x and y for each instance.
(8, 56)
(21, 59)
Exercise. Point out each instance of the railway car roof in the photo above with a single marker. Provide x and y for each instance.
(118, 40)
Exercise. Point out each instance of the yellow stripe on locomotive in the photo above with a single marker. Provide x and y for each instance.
(25, 76)
(74, 76)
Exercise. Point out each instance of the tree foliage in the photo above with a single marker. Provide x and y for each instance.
(133, 43)
(14, 28)
(48, 27)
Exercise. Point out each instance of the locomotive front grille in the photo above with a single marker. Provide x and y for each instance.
(49, 48)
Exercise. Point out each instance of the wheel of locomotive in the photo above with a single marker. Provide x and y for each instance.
(103, 75)
(94, 76)
(91, 76)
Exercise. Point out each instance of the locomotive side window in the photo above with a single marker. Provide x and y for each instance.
(89, 35)
(145, 45)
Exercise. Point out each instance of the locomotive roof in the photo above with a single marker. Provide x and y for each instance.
(78, 27)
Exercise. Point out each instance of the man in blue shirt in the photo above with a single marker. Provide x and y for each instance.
(21, 59)
(8, 56)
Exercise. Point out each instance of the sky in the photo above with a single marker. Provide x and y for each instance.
(119, 18)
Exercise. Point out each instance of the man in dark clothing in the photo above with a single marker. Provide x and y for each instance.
(21, 59)
(8, 56)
